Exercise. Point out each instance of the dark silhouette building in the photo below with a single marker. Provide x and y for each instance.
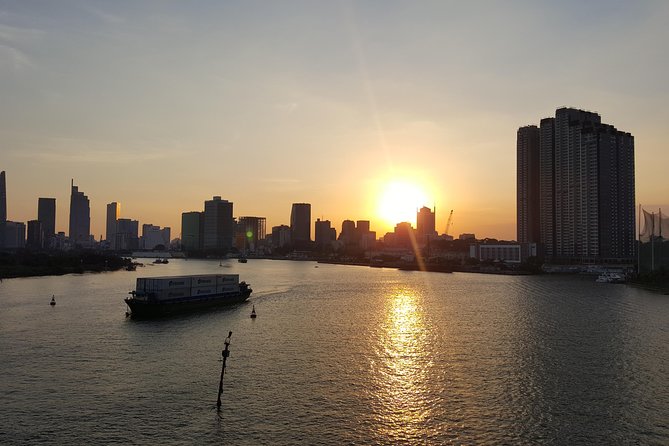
(80, 217)
(252, 229)
(218, 225)
(35, 238)
(527, 184)
(113, 214)
(192, 231)
(46, 214)
(425, 224)
(3, 208)
(300, 225)
(586, 189)
(325, 234)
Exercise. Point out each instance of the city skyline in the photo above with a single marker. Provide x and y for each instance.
(159, 106)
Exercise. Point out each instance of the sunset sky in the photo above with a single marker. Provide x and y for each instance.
(161, 105)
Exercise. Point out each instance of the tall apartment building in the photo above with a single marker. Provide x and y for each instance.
(113, 214)
(586, 189)
(80, 217)
(300, 224)
(252, 230)
(46, 215)
(127, 235)
(527, 199)
(3, 208)
(425, 224)
(218, 224)
(192, 230)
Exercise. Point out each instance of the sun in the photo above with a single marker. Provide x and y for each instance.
(399, 201)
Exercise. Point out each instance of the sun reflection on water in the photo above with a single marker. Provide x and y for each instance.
(402, 368)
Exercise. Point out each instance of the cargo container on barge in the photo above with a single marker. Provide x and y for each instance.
(155, 296)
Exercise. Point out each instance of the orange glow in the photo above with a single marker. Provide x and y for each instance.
(399, 201)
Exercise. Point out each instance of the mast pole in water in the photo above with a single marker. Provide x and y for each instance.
(225, 354)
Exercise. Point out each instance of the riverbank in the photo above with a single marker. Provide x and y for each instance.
(432, 267)
(29, 264)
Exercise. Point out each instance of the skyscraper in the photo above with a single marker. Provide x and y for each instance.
(300, 225)
(80, 217)
(425, 224)
(113, 214)
(3, 208)
(586, 189)
(527, 189)
(3, 198)
(192, 230)
(218, 224)
(46, 214)
(35, 235)
(252, 230)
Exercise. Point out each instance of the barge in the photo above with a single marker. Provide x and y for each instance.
(157, 296)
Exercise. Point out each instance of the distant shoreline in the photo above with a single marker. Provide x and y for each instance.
(27, 264)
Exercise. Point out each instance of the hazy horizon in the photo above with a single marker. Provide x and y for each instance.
(162, 105)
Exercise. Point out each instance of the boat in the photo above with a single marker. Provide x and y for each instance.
(161, 261)
(156, 296)
(53, 300)
(609, 277)
(253, 313)
(242, 260)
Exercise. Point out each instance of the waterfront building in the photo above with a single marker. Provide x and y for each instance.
(404, 235)
(425, 224)
(324, 233)
(3, 208)
(192, 230)
(46, 214)
(14, 235)
(527, 184)
(253, 230)
(300, 225)
(586, 189)
(127, 235)
(218, 224)
(113, 214)
(35, 238)
(281, 236)
(498, 252)
(80, 217)
(155, 237)
(348, 234)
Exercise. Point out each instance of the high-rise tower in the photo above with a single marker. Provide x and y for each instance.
(300, 224)
(527, 184)
(113, 214)
(586, 189)
(80, 217)
(218, 224)
(46, 214)
(3, 208)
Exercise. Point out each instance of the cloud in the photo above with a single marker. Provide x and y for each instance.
(80, 151)
(14, 58)
(286, 107)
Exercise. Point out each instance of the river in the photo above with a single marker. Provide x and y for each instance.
(337, 355)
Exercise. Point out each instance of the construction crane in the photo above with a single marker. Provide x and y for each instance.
(449, 223)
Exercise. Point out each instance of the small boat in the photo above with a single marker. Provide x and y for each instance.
(610, 278)
(253, 313)
(242, 260)
(53, 300)
(161, 261)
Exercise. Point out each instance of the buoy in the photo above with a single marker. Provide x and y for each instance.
(53, 300)
(253, 312)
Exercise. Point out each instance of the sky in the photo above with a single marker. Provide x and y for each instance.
(160, 105)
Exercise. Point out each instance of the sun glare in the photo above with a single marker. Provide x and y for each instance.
(399, 201)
